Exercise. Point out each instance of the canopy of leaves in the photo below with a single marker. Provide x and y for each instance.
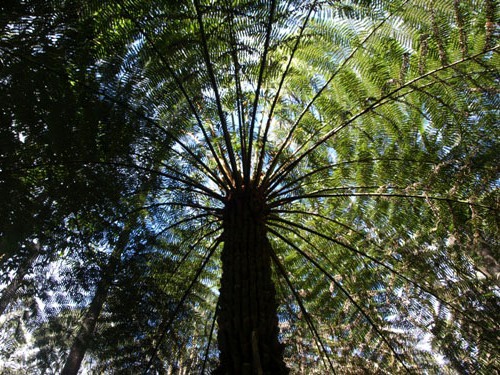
(369, 128)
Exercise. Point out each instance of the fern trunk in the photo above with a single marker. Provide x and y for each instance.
(247, 319)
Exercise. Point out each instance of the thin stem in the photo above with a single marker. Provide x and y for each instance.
(314, 214)
(296, 181)
(386, 195)
(212, 328)
(258, 171)
(274, 162)
(309, 320)
(210, 210)
(247, 167)
(165, 326)
(346, 293)
(285, 169)
(184, 179)
(219, 159)
(213, 82)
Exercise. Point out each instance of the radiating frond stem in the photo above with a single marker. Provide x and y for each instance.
(197, 161)
(376, 261)
(213, 81)
(187, 189)
(323, 88)
(187, 181)
(192, 246)
(209, 341)
(385, 195)
(165, 325)
(295, 182)
(212, 211)
(220, 159)
(182, 177)
(314, 214)
(183, 221)
(353, 188)
(260, 164)
(190, 182)
(307, 316)
(239, 92)
(295, 158)
(247, 168)
(311, 243)
(346, 293)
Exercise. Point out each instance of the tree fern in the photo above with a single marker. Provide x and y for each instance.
(306, 187)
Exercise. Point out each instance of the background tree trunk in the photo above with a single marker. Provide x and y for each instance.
(87, 328)
(82, 340)
(10, 290)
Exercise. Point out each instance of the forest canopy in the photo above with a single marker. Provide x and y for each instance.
(249, 186)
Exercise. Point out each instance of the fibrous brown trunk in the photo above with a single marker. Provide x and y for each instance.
(247, 317)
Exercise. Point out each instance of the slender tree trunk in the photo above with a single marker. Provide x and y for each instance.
(87, 328)
(247, 318)
(86, 332)
(10, 290)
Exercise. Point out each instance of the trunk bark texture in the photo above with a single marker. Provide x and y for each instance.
(247, 318)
